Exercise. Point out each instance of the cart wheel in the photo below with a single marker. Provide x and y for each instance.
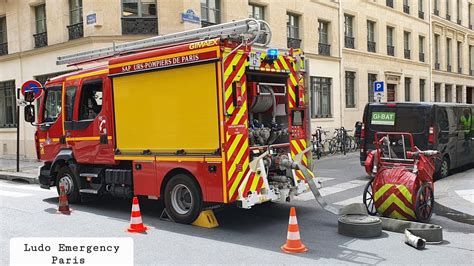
(368, 198)
(424, 203)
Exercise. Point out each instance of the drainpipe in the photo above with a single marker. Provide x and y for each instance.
(341, 68)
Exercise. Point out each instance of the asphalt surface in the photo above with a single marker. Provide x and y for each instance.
(244, 236)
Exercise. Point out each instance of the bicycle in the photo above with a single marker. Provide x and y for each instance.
(319, 142)
(341, 141)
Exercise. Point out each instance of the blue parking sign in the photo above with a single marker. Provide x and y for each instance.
(378, 86)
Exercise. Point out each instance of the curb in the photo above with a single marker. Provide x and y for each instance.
(30, 178)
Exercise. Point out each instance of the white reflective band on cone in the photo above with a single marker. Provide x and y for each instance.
(293, 236)
(293, 220)
(136, 220)
(135, 208)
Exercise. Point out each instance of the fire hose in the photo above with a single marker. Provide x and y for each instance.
(353, 217)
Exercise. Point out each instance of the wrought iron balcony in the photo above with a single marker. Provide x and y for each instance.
(437, 66)
(406, 9)
(448, 16)
(421, 14)
(349, 42)
(436, 12)
(389, 3)
(391, 50)
(407, 53)
(293, 42)
(422, 57)
(324, 49)
(459, 22)
(448, 68)
(76, 31)
(371, 46)
(41, 39)
(460, 70)
(139, 26)
(3, 48)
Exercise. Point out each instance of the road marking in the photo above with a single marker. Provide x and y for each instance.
(14, 194)
(324, 179)
(325, 191)
(467, 194)
(356, 199)
(23, 187)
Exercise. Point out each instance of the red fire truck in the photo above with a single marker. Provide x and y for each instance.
(201, 116)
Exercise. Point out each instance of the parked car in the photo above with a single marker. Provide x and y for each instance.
(446, 127)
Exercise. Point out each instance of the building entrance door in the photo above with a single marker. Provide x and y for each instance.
(470, 95)
(391, 93)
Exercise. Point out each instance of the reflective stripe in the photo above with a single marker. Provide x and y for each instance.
(136, 220)
(293, 220)
(405, 192)
(293, 236)
(393, 199)
(382, 191)
(135, 208)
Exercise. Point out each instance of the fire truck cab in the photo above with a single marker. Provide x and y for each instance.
(203, 116)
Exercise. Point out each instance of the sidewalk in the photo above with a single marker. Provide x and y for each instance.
(28, 170)
(456, 191)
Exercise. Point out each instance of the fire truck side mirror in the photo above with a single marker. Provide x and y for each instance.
(30, 113)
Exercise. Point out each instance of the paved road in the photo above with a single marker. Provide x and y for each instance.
(244, 236)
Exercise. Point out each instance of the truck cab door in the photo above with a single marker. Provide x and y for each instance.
(50, 125)
(88, 131)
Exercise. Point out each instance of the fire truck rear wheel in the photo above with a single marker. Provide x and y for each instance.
(69, 179)
(183, 199)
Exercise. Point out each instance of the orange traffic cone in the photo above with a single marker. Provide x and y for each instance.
(63, 204)
(293, 240)
(136, 224)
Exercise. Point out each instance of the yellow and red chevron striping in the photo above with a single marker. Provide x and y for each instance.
(395, 201)
(297, 146)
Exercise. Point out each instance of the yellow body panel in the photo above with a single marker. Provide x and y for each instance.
(177, 110)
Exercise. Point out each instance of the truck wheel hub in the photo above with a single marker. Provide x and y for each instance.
(181, 199)
(68, 184)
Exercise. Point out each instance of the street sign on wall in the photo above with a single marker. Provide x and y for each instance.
(379, 90)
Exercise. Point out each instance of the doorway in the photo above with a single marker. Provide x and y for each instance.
(470, 95)
(391, 93)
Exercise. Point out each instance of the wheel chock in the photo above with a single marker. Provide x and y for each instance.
(206, 219)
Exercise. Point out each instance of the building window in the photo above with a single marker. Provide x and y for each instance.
(75, 28)
(139, 17)
(407, 89)
(458, 7)
(459, 56)
(371, 36)
(448, 55)
(389, 3)
(7, 104)
(320, 97)
(448, 93)
(256, 12)
(390, 47)
(348, 31)
(324, 48)
(406, 44)
(459, 94)
(471, 60)
(41, 37)
(469, 16)
(421, 48)
(437, 92)
(422, 90)
(448, 13)
(436, 7)
(371, 78)
(3, 36)
(406, 7)
(210, 12)
(421, 14)
(292, 31)
(436, 51)
(350, 89)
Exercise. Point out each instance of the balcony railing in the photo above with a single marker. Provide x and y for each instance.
(3, 48)
(390, 50)
(324, 49)
(422, 57)
(371, 46)
(349, 42)
(293, 42)
(407, 53)
(421, 14)
(448, 68)
(406, 9)
(460, 70)
(448, 16)
(139, 26)
(389, 3)
(437, 66)
(76, 31)
(41, 39)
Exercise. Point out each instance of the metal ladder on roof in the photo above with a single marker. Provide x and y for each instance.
(247, 30)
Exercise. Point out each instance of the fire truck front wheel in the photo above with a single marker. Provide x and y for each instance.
(68, 178)
(183, 199)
